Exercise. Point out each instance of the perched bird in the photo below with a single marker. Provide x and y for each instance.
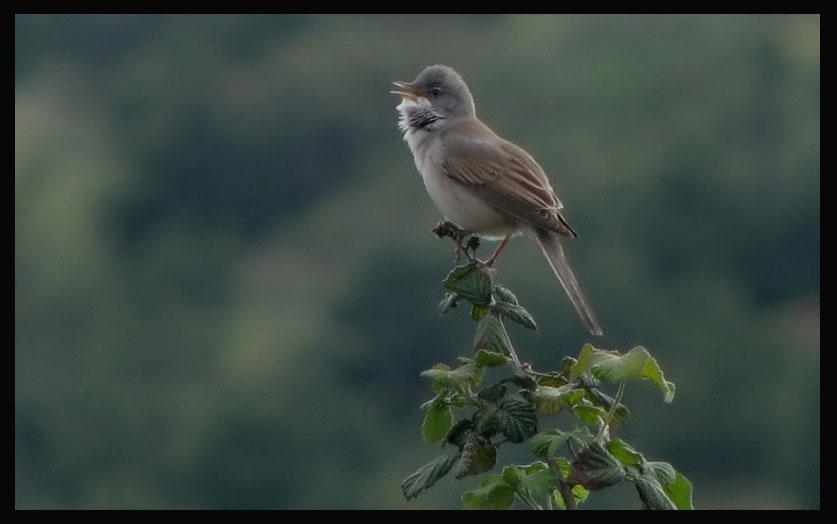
(484, 184)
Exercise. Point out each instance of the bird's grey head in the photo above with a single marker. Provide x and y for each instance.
(440, 91)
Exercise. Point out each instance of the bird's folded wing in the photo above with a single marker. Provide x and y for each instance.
(507, 178)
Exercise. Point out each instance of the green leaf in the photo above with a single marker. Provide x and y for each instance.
(492, 393)
(448, 303)
(662, 471)
(522, 381)
(624, 453)
(585, 360)
(580, 494)
(490, 359)
(440, 376)
(505, 295)
(437, 421)
(459, 431)
(477, 312)
(588, 413)
(567, 364)
(516, 418)
(606, 402)
(652, 494)
(517, 314)
(478, 456)
(468, 373)
(546, 443)
(491, 335)
(634, 365)
(471, 283)
(512, 475)
(487, 423)
(563, 466)
(680, 492)
(550, 400)
(553, 381)
(427, 475)
(595, 468)
(494, 493)
(538, 480)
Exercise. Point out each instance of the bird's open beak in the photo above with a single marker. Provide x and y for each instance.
(406, 90)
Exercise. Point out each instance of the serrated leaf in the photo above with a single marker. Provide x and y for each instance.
(553, 381)
(652, 494)
(505, 295)
(490, 359)
(492, 393)
(470, 283)
(620, 414)
(662, 471)
(680, 492)
(448, 303)
(440, 376)
(595, 468)
(522, 381)
(494, 493)
(636, 364)
(563, 466)
(585, 360)
(516, 418)
(491, 335)
(437, 421)
(580, 494)
(624, 453)
(517, 314)
(588, 413)
(567, 364)
(477, 312)
(538, 480)
(478, 456)
(546, 443)
(550, 400)
(457, 433)
(511, 475)
(427, 475)
(468, 373)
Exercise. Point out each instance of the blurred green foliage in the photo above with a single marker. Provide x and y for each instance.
(211, 213)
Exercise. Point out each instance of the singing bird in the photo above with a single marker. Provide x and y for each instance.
(484, 184)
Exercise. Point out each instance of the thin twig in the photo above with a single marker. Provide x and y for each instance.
(616, 401)
(567, 494)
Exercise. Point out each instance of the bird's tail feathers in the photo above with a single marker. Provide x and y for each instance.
(550, 245)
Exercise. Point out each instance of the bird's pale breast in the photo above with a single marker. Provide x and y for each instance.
(457, 203)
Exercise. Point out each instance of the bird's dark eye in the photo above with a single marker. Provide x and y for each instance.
(435, 92)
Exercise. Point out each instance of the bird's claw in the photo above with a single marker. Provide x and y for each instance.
(446, 228)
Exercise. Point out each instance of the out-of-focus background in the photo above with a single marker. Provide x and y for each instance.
(226, 284)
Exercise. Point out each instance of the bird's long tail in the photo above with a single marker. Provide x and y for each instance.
(550, 245)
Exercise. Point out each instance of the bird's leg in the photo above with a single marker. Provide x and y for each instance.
(490, 262)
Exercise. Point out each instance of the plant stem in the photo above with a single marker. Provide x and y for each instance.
(606, 425)
(567, 494)
(527, 499)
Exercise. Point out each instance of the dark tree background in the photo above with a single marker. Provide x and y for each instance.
(211, 213)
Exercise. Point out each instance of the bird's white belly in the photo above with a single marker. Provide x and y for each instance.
(453, 200)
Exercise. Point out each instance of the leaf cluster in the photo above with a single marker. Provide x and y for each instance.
(471, 419)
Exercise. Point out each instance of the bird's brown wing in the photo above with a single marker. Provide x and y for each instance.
(506, 177)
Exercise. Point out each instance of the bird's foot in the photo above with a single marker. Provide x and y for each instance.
(486, 265)
(457, 234)
(446, 228)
